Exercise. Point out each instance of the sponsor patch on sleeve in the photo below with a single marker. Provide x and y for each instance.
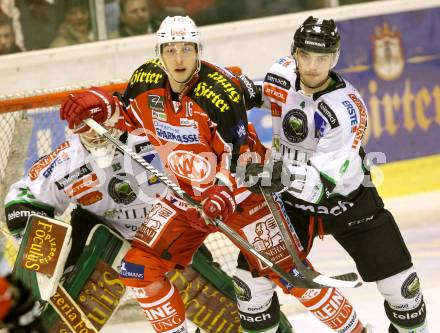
(328, 113)
(275, 92)
(130, 270)
(360, 130)
(277, 80)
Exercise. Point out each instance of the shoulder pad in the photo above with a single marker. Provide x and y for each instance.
(217, 88)
(149, 75)
(284, 67)
(279, 79)
(345, 105)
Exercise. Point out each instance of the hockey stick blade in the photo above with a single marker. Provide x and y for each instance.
(348, 280)
(229, 232)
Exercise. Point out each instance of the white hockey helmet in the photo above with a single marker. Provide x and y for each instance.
(175, 29)
(98, 146)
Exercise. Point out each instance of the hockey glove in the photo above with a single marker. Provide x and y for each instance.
(95, 103)
(258, 176)
(217, 201)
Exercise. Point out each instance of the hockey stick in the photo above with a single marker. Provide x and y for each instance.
(348, 280)
(228, 231)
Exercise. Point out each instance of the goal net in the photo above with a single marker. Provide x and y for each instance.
(31, 128)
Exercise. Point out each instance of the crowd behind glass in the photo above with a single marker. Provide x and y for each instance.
(27, 25)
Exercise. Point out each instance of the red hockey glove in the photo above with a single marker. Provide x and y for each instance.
(95, 103)
(217, 201)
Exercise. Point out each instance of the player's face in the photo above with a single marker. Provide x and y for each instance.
(180, 60)
(313, 67)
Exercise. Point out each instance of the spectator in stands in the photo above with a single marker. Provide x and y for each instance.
(134, 18)
(76, 27)
(7, 38)
(39, 21)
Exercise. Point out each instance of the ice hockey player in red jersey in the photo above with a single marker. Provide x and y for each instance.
(194, 114)
(318, 121)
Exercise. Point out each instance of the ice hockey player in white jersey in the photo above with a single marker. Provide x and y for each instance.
(319, 120)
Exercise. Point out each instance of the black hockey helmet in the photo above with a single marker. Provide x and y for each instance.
(317, 35)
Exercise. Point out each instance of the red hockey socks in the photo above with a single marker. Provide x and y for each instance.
(165, 310)
(331, 308)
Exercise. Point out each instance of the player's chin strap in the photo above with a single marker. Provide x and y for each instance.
(339, 281)
(298, 282)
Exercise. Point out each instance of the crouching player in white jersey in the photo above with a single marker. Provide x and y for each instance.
(107, 188)
(318, 121)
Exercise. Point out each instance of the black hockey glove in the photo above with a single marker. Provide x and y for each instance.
(266, 176)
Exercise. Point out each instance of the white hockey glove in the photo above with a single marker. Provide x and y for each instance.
(302, 181)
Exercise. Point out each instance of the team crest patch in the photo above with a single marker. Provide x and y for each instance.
(242, 290)
(411, 286)
(295, 126)
(123, 188)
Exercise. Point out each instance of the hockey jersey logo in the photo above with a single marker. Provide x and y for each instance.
(74, 175)
(90, 198)
(155, 224)
(130, 270)
(82, 185)
(123, 188)
(179, 134)
(276, 93)
(329, 114)
(265, 236)
(189, 166)
(362, 120)
(155, 102)
(295, 126)
(277, 80)
(46, 160)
